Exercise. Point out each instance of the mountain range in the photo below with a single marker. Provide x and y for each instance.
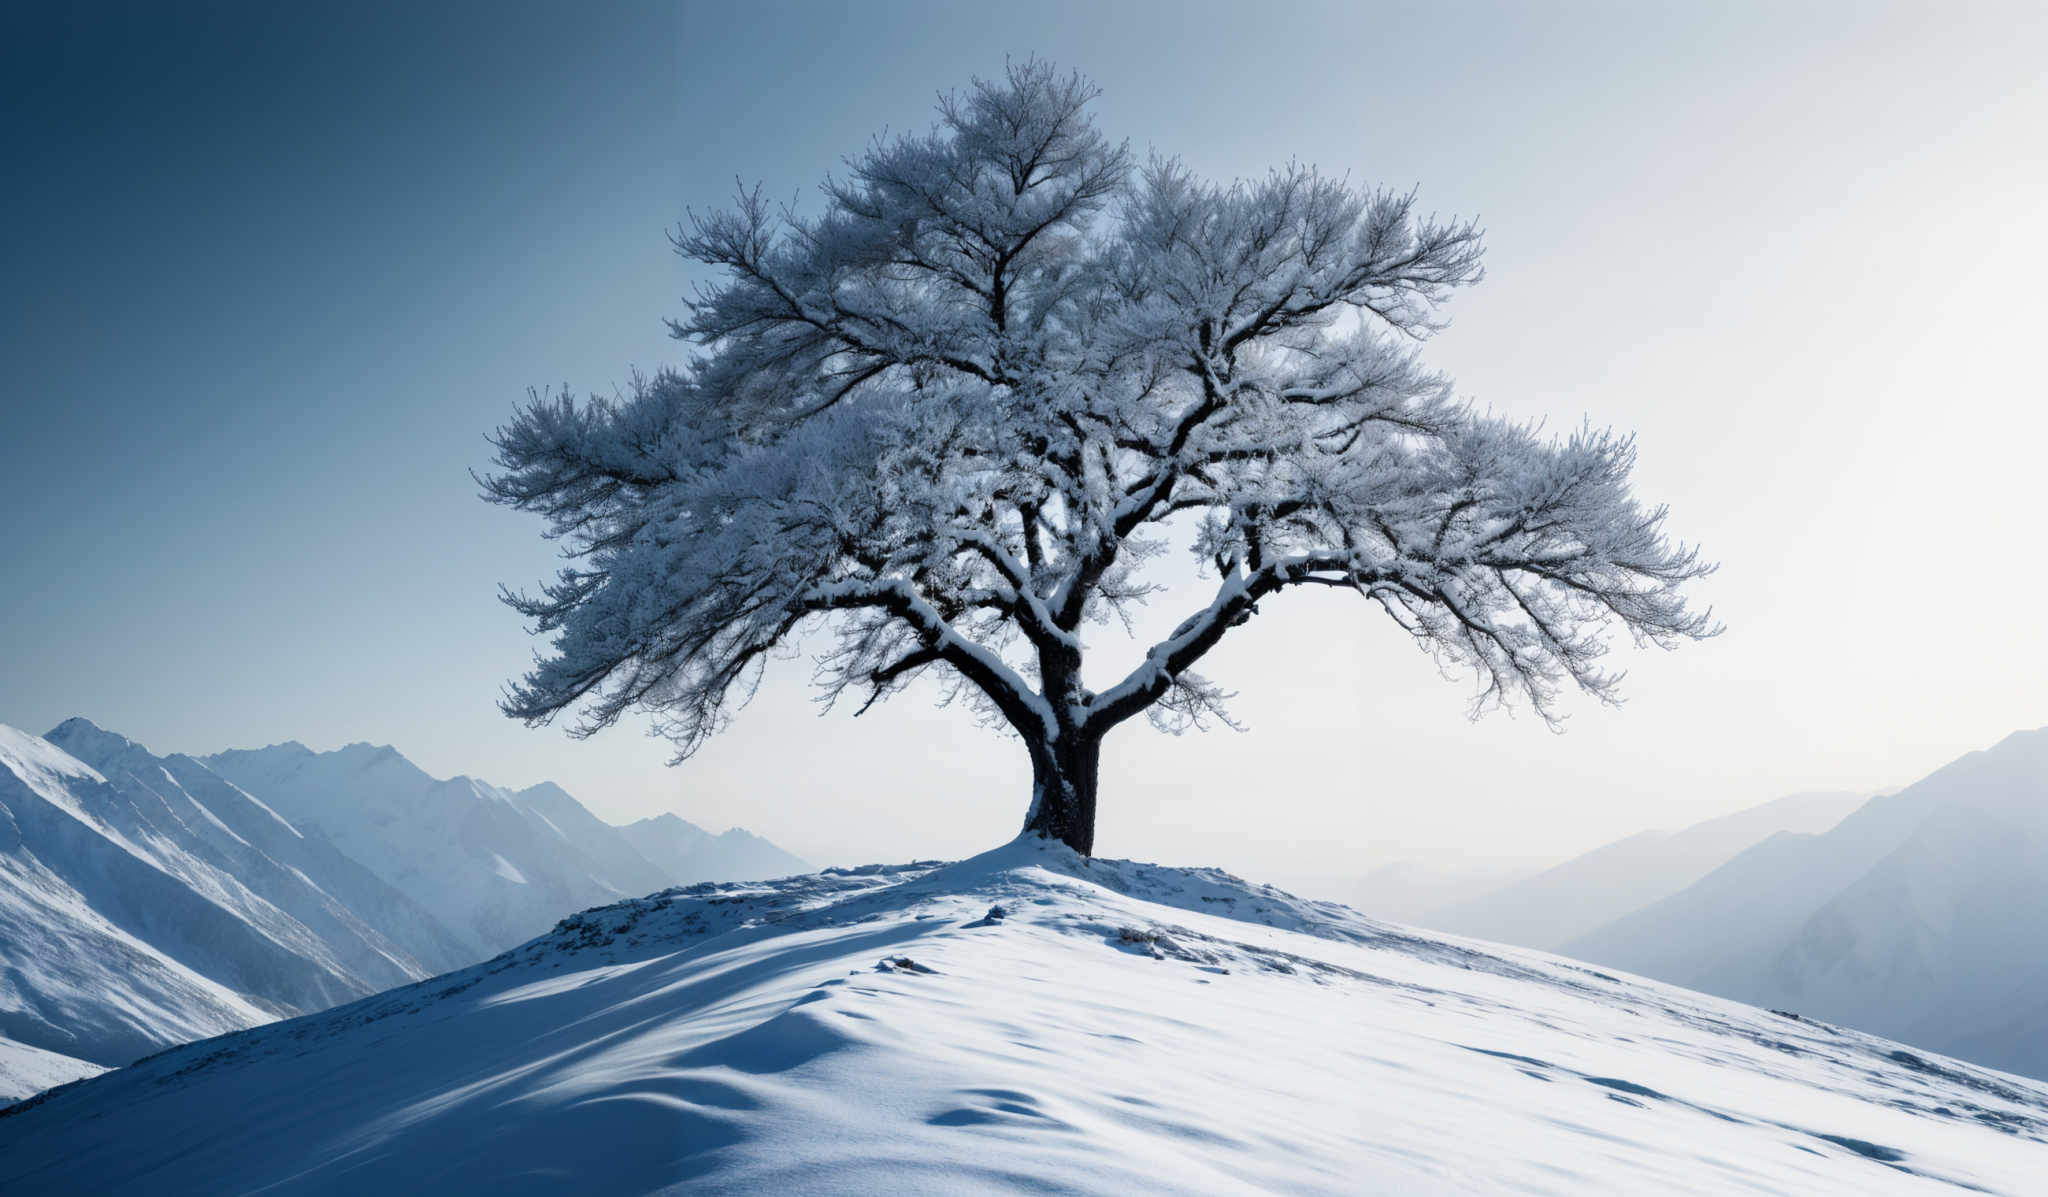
(1556, 906)
(147, 900)
(1920, 914)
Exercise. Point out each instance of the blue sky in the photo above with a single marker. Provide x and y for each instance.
(273, 273)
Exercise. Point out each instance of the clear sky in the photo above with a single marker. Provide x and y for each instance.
(271, 274)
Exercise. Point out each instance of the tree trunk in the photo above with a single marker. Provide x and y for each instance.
(1063, 793)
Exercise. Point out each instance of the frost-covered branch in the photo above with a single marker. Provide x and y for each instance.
(952, 417)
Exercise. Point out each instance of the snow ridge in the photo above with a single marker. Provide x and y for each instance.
(1030, 1021)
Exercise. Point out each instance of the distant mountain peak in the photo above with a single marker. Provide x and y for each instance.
(363, 750)
(672, 819)
(78, 730)
(2023, 740)
(293, 749)
(24, 751)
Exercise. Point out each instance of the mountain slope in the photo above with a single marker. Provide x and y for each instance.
(608, 850)
(670, 841)
(497, 866)
(379, 935)
(1117, 1028)
(1923, 915)
(26, 1070)
(1560, 904)
(489, 867)
(107, 954)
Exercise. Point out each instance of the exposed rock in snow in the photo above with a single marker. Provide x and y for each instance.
(1120, 1028)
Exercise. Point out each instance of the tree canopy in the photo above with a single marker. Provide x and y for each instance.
(954, 415)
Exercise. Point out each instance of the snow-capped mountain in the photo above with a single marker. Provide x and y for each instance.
(1560, 904)
(499, 866)
(25, 1070)
(378, 935)
(686, 850)
(606, 851)
(487, 866)
(1923, 915)
(123, 929)
(147, 901)
(1029, 1021)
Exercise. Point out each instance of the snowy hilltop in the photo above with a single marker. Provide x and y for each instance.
(147, 901)
(1030, 1020)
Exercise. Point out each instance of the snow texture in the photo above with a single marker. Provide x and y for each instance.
(25, 1070)
(1030, 1021)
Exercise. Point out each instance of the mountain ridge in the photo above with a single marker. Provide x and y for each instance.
(1921, 915)
(150, 900)
(1551, 907)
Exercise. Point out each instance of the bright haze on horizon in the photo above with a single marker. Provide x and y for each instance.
(273, 278)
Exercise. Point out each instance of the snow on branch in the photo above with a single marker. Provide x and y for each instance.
(952, 416)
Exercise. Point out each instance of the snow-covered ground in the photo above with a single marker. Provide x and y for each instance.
(26, 1070)
(1118, 1028)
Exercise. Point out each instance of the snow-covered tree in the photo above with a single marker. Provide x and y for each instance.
(953, 416)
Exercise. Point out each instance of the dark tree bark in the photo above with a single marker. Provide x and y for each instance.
(1063, 792)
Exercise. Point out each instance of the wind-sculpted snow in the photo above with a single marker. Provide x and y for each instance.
(1029, 1021)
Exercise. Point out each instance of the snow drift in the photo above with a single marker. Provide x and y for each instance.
(1029, 1020)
